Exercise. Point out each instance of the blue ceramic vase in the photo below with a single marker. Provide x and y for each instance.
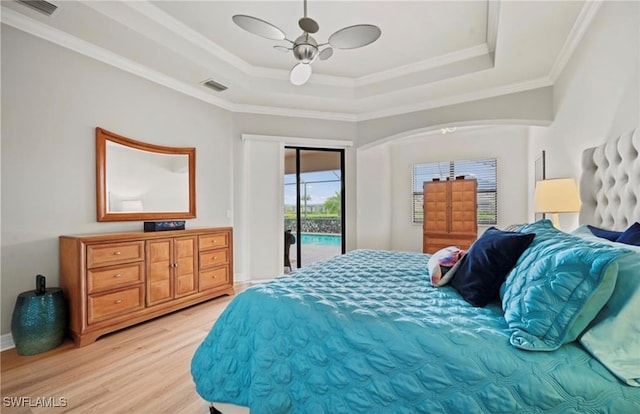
(39, 320)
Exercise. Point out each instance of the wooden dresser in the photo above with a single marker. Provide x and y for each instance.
(450, 214)
(114, 280)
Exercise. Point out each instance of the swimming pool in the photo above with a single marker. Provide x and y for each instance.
(322, 239)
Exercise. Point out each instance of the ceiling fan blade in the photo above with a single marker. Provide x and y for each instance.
(307, 24)
(258, 27)
(280, 48)
(326, 53)
(300, 74)
(356, 36)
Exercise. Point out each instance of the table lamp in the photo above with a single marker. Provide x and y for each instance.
(557, 195)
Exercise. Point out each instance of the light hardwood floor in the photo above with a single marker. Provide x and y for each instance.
(141, 369)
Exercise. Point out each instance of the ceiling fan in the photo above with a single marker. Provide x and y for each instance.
(305, 48)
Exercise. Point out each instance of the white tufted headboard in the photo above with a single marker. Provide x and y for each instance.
(610, 183)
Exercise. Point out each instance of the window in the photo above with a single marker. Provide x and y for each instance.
(485, 171)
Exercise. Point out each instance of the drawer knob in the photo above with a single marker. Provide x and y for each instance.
(215, 257)
(117, 275)
(117, 301)
(213, 276)
(117, 253)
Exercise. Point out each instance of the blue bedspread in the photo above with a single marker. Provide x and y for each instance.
(366, 333)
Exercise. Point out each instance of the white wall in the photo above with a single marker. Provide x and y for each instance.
(597, 95)
(265, 219)
(52, 100)
(508, 144)
(374, 197)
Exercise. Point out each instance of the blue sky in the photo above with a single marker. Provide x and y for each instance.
(319, 192)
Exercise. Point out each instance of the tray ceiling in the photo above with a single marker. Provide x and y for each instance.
(430, 54)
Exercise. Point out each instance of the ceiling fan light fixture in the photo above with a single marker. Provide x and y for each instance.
(300, 74)
(305, 48)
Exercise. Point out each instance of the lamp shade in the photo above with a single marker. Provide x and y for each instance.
(559, 195)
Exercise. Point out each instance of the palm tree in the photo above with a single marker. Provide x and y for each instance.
(333, 204)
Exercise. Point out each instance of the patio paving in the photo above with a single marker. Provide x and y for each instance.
(312, 253)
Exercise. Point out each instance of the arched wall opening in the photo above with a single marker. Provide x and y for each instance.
(385, 177)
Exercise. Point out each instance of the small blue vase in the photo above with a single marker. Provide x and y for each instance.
(39, 320)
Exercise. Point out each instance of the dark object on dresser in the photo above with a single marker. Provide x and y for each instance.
(163, 225)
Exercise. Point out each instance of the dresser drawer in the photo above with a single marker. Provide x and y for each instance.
(114, 253)
(114, 277)
(212, 278)
(213, 241)
(433, 243)
(214, 258)
(105, 306)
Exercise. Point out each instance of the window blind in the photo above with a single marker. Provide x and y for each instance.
(484, 171)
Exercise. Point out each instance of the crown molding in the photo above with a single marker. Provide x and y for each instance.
(487, 48)
(53, 35)
(424, 65)
(493, 17)
(147, 10)
(294, 113)
(48, 33)
(421, 106)
(577, 32)
(299, 141)
(458, 99)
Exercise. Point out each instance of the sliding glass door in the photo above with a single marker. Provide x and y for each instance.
(314, 205)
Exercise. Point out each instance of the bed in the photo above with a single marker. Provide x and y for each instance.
(367, 332)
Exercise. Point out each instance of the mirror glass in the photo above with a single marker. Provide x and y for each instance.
(140, 181)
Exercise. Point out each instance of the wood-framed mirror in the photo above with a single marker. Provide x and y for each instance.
(140, 181)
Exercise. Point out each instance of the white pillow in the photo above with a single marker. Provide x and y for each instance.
(436, 275)
(448, 276)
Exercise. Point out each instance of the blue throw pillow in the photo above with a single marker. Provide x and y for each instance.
(631, 235)
(557, 288)
(605, 234)
(485, 266)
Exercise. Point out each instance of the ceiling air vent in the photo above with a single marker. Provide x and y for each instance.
(40, 5)
(218, 87)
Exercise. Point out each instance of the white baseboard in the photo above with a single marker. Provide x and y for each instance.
(6, 342)
(240, 277)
